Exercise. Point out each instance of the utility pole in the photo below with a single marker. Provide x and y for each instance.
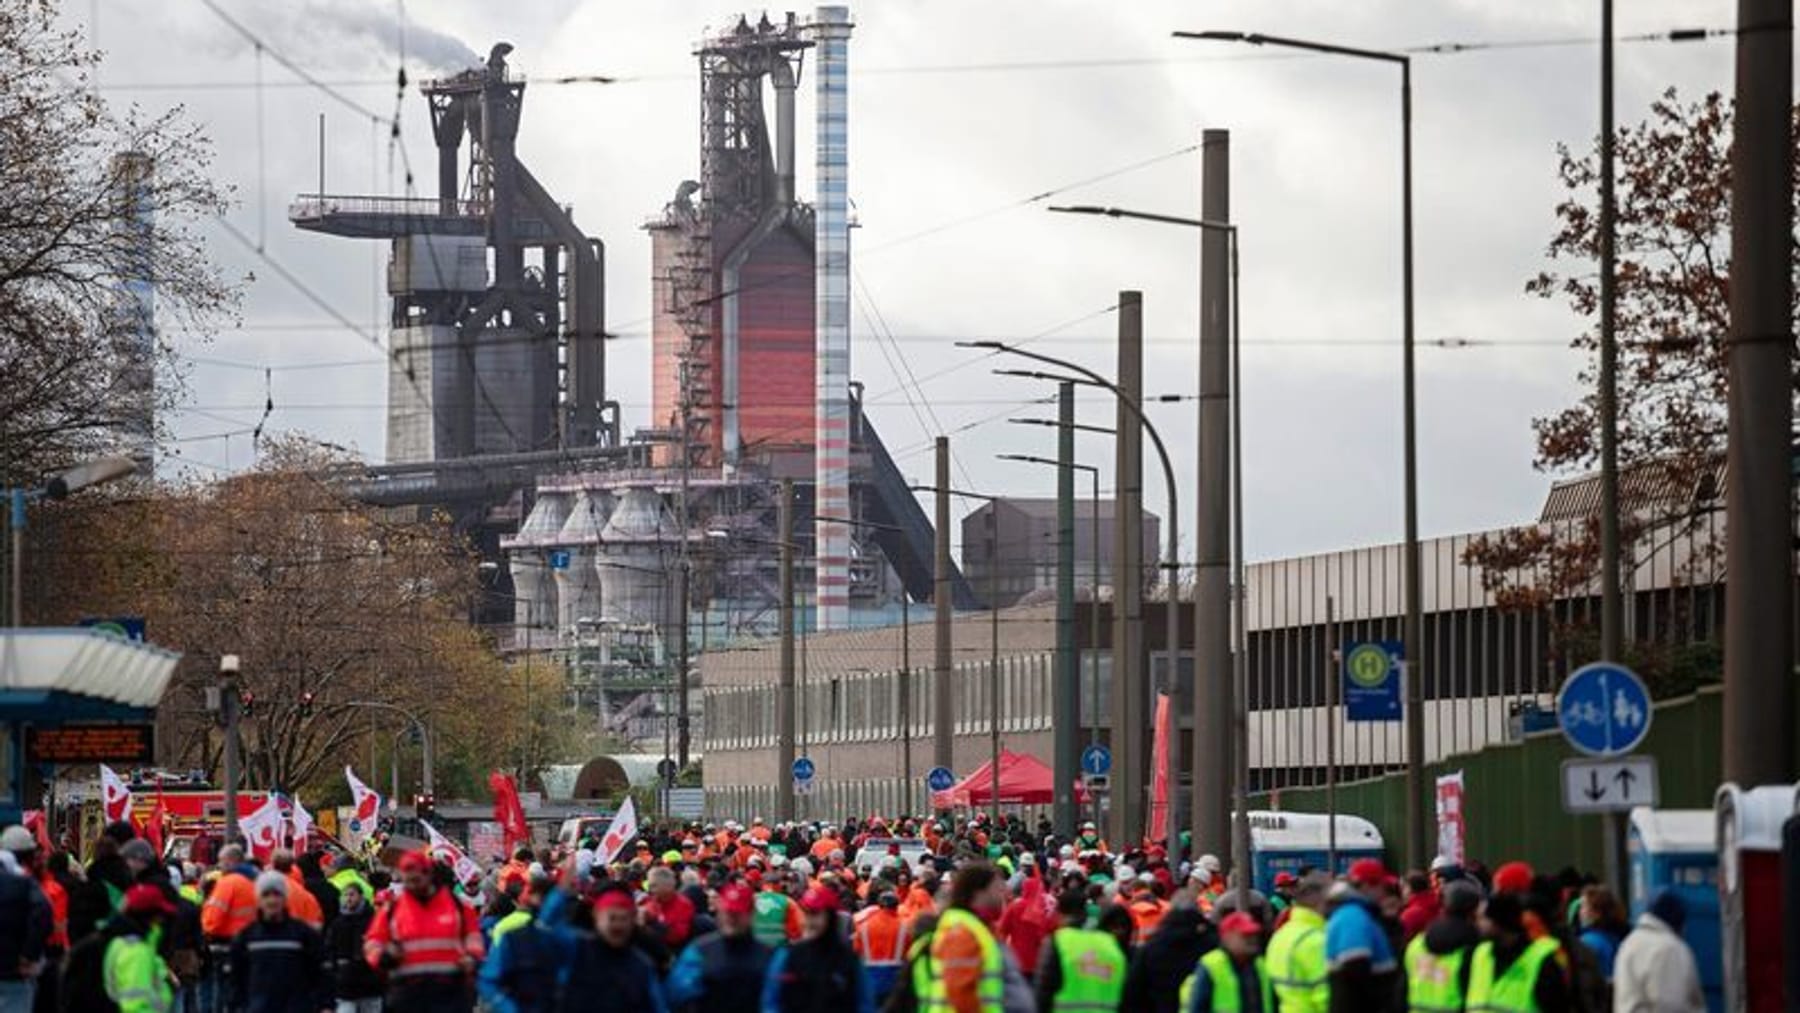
(907, 774)
(228, 713)
(1759, 654)
(784, 704)
(1066, 756)
(1128, 686)
(943, 750)
(1213, 702)
(1612, 607)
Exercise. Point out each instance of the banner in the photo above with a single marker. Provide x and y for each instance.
(1159, 772)
(623, 830)
(464, 866)
(264, 827)
(1452, 831)
(509, 812)
(153, 824)
(302, 823)
(115, 797)
(365, 810)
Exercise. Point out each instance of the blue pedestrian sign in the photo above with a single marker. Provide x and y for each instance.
(1096, 760)
(1604, 709)
(559, 559)
(804, 769)
(1372, 680)
(940, 779)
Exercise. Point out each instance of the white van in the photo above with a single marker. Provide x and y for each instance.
(576, 827)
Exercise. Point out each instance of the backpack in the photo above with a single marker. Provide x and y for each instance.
(84, 975)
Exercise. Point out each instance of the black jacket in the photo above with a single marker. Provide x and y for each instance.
(24, 923)
(1153, 981)
(279, 967)
(608, 979)
(820, 975)
(352, 977)
(92, 904)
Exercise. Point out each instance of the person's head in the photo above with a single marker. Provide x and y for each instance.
(282, 861)
(1417, 883)
(146, 904)
(119, 831)
(736, 908)
(1284, 883)
(1370, 878)
(350, 898)
(416, 875)
(660, 881)
(1600, 908)
(1462, 899)
(1503, 919)
(231, 856)
(1513, 877)
(1207, 870)
(1071, 908)
(1669, 908)
(978, 887)
(138, 855)
(271, 895)
(1311, 890)
(21, 844)
(615, 916)
(818, 910)
(1240, 935)
(1116, 921)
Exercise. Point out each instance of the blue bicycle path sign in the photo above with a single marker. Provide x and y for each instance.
(1604, 709)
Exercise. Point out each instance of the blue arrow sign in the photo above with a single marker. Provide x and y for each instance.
(804, 769)
(1096, 760)
(1372, 680)
(940, 779)
(1604, 709)
(559, 559)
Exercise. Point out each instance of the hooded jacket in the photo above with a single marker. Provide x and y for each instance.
(1153, 981)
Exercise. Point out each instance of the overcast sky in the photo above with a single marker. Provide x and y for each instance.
(960, 112)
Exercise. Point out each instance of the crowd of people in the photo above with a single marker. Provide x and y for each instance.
(814, 918)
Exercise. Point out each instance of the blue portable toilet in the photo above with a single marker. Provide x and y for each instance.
(1291, 841)
(1678, 849)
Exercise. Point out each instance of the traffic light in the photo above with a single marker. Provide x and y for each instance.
(306, 703)
(247, 703)
(425, 806)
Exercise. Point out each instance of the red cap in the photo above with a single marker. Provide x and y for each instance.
(737, 899)
(753, 877)
(1241, 924)
(144, 899)
(1513, 877)
(610, 899)
(415, 861)
(819, 899)
(1285, 879)
(1369, 872)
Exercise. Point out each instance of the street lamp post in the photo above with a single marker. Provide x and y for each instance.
(1093, 722)
(1171, 557)
(426, 781)
(1414, 623)
(1213, 785)
(95, 472)
(993, 656)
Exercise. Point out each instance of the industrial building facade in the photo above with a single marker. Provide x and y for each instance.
(1009, 545)
(1490, 671)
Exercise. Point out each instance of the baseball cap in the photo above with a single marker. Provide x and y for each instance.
(1369, 872)
(144, 899)
(415, 861)
(819, 899)
(1239, 923)
(1285, 879)
(737, 899)
(1513, 877)
(17, 840)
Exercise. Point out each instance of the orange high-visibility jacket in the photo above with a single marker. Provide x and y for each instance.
(434, 935)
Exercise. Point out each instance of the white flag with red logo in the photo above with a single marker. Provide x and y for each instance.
(365, 806)
(263, 828)
(624, 828)
(302, 823)
(464, 866)
(114, 796)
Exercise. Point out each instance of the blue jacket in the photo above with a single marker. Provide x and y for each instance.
(801, 979)
(720, 975)
(1355, 933)
(590, 974)
(522, 971)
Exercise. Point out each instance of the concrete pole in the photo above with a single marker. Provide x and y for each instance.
(1129, 690)
(943, 729)
(1759, 652)
(1066, 756)
(1612, 606)
(784, 704)
(1213, 698)
(907, 774)
(1421, 803)
(228, 706)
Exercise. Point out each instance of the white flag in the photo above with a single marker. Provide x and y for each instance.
(302, 822)
(365, 807)
(465, 867)
(262, 828)
(624, 828)
(114, 795)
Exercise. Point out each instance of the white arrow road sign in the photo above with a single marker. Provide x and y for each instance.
(1614, 784)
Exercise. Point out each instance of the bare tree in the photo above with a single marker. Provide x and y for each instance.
(70, 231)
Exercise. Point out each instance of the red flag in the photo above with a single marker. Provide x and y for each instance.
(38, 822)
(509, 812)
(1159, 773)
(153, 825)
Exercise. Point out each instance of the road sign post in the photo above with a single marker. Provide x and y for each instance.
(1609, 785)
(1096, 760)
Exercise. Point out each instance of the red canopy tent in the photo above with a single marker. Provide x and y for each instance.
(1024, 780)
